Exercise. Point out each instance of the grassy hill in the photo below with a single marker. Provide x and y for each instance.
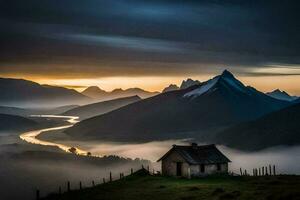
(277, 128)
(143, 186)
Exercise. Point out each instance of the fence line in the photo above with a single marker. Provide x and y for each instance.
(261, 171)
(111, 179)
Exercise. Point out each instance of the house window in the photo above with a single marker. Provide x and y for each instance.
(202, 168)
(219, 167)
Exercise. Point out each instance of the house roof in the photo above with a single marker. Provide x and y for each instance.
(194, 154)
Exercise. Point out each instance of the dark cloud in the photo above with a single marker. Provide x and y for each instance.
(158, 36)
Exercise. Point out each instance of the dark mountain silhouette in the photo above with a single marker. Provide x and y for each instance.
(184, 84)
(171, 87)
(19, 92)
(188, 83)
(27, 111)
(97, 93)
(15, 123)
(219, 102)
(95, 109)
(281, 95)
(276, 128)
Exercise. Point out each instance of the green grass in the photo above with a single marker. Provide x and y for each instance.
(141, 186)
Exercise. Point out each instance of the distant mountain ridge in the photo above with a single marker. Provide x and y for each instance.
(276, 128)
(15, 123)
(188, 83)
(184, 84)
(170, 88)
(20, 92)
(281, 95)
(216, 103)
(97, 93)
(100, 108)
(27, 111)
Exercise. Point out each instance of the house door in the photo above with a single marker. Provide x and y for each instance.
(178, 168)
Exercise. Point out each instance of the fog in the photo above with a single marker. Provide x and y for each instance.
(26, 167)
(286, 158)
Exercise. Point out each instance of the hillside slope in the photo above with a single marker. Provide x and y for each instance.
(19, 92)
(15, 123)
(95, 109)
(277, 128)
(141, 186)
(96, 93)
(219, 102)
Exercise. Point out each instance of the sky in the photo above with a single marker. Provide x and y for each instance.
(150, 44)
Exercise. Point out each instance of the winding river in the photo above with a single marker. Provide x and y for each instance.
(30, 136)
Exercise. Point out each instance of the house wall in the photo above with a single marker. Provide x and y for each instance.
(208, 169)
(169, 167)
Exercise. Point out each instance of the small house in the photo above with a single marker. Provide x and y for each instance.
(194, 161)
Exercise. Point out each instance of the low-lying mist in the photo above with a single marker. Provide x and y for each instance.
(25, 170)
(286, 158)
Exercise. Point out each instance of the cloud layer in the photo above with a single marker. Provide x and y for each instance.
(131, 37)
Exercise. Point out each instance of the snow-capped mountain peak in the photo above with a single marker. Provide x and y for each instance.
(226, 78)
(203, 88)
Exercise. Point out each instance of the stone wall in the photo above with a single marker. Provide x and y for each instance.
(169, 167)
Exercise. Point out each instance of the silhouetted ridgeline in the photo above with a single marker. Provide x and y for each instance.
(217, 103)
(15, 123)
(277, 128)
(19, 92)
(99, 108)
(96, 93)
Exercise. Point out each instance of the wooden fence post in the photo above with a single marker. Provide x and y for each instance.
(274, 171)
(93, 183)
(131, 171)
(241, 171)
(266, 169)
(110, 177)
(80, 185)
(270, 170)
(68, 186)
(37, 194)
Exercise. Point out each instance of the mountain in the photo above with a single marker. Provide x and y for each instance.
(184, 84)
(188, 83)
(15, 123)
(281, 95)
(214, 104)
(171, 87)
(21, 93)
(97, 93)
(95, 109)
(276, 128)
(296, 100)
(27, 111)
